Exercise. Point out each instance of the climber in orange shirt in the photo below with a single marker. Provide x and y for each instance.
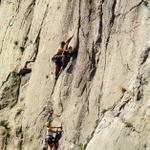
(59, 57)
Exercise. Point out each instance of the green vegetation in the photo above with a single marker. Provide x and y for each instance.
(103, 111)
(5, 124)
(81, 146)
(128, 124)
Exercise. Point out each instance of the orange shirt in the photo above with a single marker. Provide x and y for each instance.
(59, 51)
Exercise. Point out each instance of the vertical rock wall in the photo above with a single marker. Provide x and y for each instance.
(102, 96)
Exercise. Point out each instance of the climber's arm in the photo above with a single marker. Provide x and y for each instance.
(68, 41)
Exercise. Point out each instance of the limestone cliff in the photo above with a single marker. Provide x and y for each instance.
(102, 98)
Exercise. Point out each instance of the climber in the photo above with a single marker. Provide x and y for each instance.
(53, 141)
(66, 56)
(57, 59)
(61, 57)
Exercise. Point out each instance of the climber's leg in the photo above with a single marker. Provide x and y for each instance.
(49, 147)
(57, 70)
(53, 147)
(57, 59)
(65, 59)
(63, 62)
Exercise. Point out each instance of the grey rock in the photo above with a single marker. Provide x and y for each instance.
(101, 98)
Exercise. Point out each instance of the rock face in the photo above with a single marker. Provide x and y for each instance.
(102, 98)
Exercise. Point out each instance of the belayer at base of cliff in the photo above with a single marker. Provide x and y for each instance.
(53, 136)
